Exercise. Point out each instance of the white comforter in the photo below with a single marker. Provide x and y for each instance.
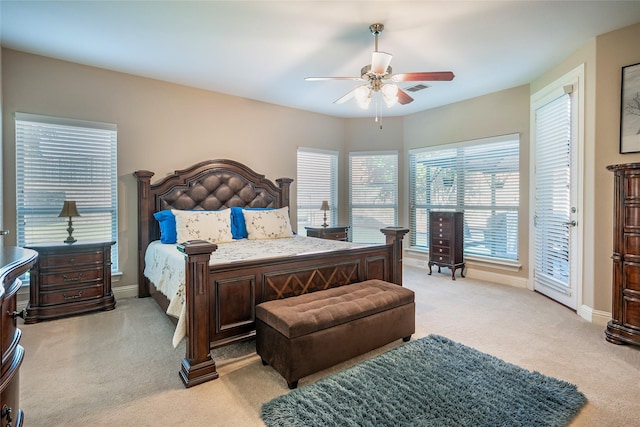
(164, 264)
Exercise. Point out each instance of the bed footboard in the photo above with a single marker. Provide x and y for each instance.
(221, 301)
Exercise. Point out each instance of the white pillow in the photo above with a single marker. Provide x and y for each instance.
(212, 226)
(268, 224)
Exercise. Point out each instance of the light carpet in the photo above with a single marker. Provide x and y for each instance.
(432, 381)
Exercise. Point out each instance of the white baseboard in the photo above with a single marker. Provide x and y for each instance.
(489, 276)
(594, 316)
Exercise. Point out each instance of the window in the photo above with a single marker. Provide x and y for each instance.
(62, 159)
(317, 181)
(480, 178)
(373, 195)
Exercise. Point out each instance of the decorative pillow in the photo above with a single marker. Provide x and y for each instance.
(167, 222)
(212, 226)
(268, 224)
(238, 226)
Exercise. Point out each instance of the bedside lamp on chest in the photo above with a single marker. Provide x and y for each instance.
(325, 208)
(69, 210)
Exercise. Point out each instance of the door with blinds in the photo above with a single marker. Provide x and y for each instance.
(555, 202)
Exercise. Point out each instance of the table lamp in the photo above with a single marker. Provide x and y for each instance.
(69, 209)
(325, 208)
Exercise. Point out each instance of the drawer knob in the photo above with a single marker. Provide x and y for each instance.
(440, 241)
(72, 279)
(440, 250)
(70, 297)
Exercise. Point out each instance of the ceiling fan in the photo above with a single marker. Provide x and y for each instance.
(379, 78)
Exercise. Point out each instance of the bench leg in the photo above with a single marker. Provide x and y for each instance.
(264, 362)
(293, 384)
(406, 339)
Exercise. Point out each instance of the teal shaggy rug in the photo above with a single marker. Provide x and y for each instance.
(432, 381)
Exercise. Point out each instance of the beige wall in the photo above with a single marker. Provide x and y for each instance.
(614, 50)
(161, 127)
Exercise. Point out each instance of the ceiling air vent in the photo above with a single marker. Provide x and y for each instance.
(417, 87)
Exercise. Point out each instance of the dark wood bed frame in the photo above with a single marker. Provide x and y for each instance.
(221, 299)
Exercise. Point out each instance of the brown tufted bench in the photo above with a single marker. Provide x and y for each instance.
(304, 334)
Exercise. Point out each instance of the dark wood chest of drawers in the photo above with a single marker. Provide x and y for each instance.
(624, 327)
(14, 262)
(331, 233)
(70, 279)
(446, 241)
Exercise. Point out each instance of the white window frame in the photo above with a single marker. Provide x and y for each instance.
(80, 165)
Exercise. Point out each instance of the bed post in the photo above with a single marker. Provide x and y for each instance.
(284, 184)
(144, 187)
(197, 366)
(394, 237)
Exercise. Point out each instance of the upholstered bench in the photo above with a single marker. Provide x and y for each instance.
(304, 334)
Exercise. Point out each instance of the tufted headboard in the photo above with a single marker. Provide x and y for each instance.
(209, 185)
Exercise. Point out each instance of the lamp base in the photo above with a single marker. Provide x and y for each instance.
(70, 238)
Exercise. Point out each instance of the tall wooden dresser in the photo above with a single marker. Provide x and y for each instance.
(446, 241)
(624, 327)
(14, 262)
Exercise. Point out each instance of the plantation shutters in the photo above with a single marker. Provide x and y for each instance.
(61, 159)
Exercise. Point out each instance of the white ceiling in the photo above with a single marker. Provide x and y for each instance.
(263, 50)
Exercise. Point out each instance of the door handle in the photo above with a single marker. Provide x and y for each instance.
(571, 223)
(4, 232)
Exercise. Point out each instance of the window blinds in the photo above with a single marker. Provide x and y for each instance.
(62, 159)
(317, 180)
(480, 178)
(553, 204)
(373, 195)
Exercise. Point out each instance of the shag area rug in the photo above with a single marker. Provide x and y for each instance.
(432, 381)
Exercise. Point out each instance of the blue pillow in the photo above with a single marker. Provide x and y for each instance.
(167, 221)
(238, 226)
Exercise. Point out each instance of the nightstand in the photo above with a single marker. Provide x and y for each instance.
(330, 233)
(70, 279)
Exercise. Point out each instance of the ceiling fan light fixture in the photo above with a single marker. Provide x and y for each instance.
(390, 94)
(380, 62)
(363, 96)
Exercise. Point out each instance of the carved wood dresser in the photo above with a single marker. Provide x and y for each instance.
(14, 262)
(624, 327)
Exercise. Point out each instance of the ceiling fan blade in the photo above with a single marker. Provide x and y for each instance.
(313, 79)
(346, 97)
(423, 77)
(380, 62)
(403, 97)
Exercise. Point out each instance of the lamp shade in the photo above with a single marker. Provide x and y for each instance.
(325, 206)
(69, 209)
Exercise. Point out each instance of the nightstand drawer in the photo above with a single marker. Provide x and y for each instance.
(70, 295)
(72, 259)
(70, 277)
